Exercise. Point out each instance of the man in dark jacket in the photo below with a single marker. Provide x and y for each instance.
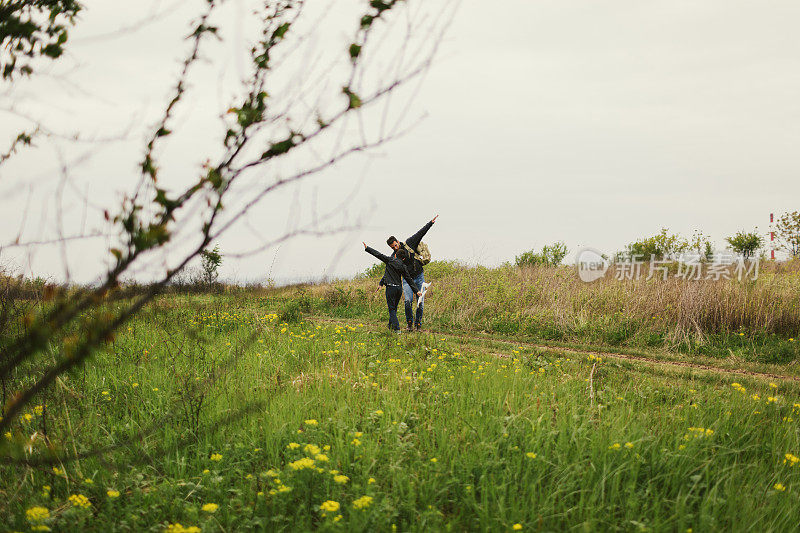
(394, 276)
(415, 269)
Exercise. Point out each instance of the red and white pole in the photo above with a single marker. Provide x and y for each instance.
(771, 238)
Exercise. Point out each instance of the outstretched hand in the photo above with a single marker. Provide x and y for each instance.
(434, 219)
(419, 293)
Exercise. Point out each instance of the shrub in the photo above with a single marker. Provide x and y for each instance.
(551, 255)
(375, 271)
(529, 258)
(745, 243)
(210, 260)
(303, 299)
(788, 233)
(291, 312)
(657, 247)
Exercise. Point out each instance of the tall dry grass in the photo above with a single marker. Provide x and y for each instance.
(554, 301)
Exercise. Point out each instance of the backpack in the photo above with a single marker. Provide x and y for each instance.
(422, 253)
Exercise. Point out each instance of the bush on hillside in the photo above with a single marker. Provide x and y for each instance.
(657, 247)
(375, 271)
(551, 255)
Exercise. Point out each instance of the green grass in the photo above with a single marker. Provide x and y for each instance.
(436, 432)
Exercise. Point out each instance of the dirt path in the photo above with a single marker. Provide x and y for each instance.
(610, 355)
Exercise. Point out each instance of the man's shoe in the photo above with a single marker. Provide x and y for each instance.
(410, 327)
(418, 326)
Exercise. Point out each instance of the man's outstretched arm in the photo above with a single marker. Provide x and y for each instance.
(376, 253)
(413, 241)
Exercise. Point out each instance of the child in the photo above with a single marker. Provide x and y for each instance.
(393, 278)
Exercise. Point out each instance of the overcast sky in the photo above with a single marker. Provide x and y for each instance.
(592, 123)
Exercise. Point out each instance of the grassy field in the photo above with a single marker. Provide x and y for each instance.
(233, 412)
(752, 321)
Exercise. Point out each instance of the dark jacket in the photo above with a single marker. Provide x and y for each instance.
(412, 264)
(395, 271)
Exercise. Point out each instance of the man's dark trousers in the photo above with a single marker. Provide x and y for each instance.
(393, 295)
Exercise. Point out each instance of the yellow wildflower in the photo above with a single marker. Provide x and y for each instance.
(329, 506)
(37, 514)
(362, 502)
(216, 457)
(698, 433)
(79, 500)
(531, 455)
(341, 479)
(112, 493)
(516, 527)
(779, 487)
(311, 422)
(311, 449)
(210, 508)
(300, 464)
